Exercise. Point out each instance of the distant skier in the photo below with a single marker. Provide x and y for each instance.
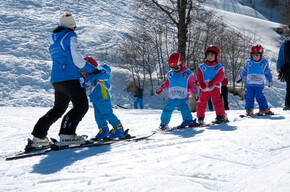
(256, 71)
(139, 97)
(283, 67)
(180, 81)
(67, 60)
(209, 77)
(97, 88)
(224, 92)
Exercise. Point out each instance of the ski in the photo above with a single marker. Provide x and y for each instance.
(53, 147)
(177, 128)
(25, 154)
(122, 106)
(256, 115)
(89, 143)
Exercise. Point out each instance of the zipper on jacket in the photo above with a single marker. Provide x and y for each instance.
(63, 67)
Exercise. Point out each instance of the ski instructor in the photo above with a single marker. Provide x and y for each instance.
(283, 66)
(67, 63)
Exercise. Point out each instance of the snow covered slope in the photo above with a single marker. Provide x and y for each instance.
(25, 63)
(249, 21)
(249, 154)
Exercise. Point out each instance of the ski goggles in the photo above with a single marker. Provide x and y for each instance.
(177, 68)
(256, 54)
(210, 54)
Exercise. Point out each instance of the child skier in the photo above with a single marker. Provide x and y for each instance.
(180, 81)
(210, 74)
(97, 88)
(257, 71)
(139, 97)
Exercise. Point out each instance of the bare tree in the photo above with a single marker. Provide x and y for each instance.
(126, 55)
(285, 12)
(234, 45)
(179, 12)
(153, 38)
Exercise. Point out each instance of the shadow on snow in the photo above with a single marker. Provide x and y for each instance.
(57, 160)
(191, 132)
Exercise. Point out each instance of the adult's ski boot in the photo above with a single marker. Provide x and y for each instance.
(73, 139)
(36, 143)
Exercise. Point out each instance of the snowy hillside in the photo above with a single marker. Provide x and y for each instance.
(249, 21)
(25, 63)
(247, 155)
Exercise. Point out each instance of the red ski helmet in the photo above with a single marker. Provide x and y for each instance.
(136, 87)
(91, 61)
(215, 49)
(257, 49)
(175, 59)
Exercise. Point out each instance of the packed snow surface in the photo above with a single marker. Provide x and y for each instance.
(247, 154)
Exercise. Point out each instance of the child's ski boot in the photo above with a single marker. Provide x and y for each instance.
(187, 123)
(221, 119)
(268, 112)
(265, 112)
(117, 132)
(250, 113)
(163, 126)
(103, 133)
(201, 121)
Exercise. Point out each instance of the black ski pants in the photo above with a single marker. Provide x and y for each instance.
(224, 97)
(287, 79)
(65, 92)
(287, 99)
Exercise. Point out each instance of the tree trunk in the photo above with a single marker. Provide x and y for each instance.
(182, 27)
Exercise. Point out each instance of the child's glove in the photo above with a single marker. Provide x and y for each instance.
(270, 84)
(202, 85)
(96, 71)
(210, 84)
(238, 80)
(159, 90)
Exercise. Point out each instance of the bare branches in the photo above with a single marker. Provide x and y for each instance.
(167, 12)
(155, 36)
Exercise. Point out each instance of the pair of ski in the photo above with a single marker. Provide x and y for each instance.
(197, 125)
(29, 151)
(257, 115)
(177, 128)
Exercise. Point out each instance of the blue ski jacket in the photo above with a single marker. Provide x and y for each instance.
(98, 85)
(66, 57)
(256, 73)
(281, 55)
